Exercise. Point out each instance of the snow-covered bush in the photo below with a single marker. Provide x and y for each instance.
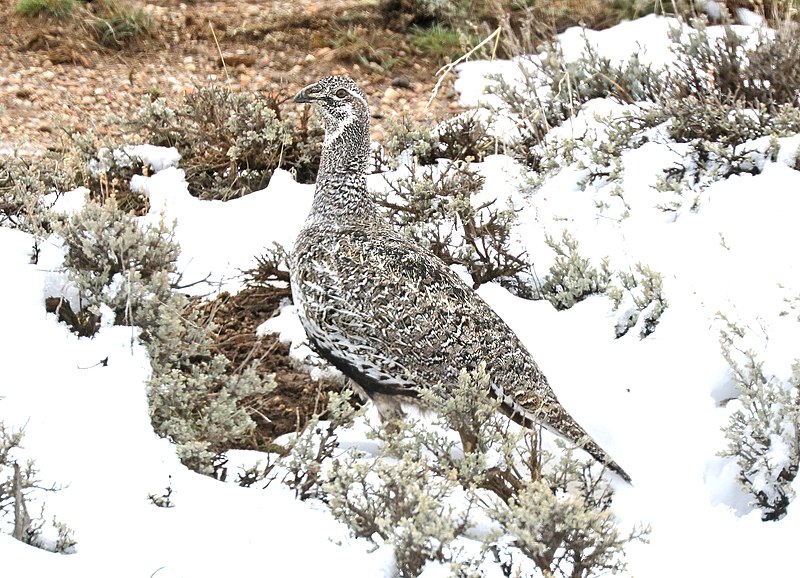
(23, 186)
(563, 523)
(639, 295)
(426, 488)
(316, 444)
(106, 171)
(737, 68)
(231, 142)
(551, 90)
(725, 92)
(436, 207)
(729, 68)
(197, 399)
(572, 278)
(19, 485)
(118, 262)
(418, 140)
(397, 499)
(763, 432)
(462, 138)
(203, 408)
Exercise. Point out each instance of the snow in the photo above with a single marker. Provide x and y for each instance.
(219, 240)
(654, 403)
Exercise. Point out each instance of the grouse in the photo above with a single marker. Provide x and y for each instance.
(388, 313)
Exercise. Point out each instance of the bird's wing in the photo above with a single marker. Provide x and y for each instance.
(394, 317)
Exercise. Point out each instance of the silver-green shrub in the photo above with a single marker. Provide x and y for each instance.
(397, 499)
(639, 295)
(436, 207)
(204, 410)
(733, 67)
(722, 94)
(196, 400)
(231, 142)
(552, 89)
(566, 528)
(308, 452)
(461, 138)
(115, 260)
(23, 187)
(636, 295)
(19, 485)
(763, 432)
(106, 170)
(425, 488)
(572, 278)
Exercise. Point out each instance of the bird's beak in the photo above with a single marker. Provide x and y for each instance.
(305, 94)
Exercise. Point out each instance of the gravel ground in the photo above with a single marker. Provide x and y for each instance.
(53, 76)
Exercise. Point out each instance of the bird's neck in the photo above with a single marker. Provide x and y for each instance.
(341, 193)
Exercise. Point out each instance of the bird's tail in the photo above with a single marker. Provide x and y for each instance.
(570, 430)
(598, 453)
(562, 425)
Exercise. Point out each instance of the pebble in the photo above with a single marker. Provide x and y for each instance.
(401, 81)
(391, 94)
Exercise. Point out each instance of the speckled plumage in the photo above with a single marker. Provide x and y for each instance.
(387, 313)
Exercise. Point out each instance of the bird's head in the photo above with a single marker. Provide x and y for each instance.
(340, 103)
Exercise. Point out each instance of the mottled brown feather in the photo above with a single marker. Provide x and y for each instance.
(387, 312)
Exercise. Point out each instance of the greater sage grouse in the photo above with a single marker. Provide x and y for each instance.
(387, 313)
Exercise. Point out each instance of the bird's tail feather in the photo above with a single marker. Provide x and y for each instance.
(569, 430)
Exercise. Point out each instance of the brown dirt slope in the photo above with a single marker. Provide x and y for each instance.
(54, 74)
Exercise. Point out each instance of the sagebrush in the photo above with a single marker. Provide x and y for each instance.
(437, 207)
(763, 432)
(232, 142)
(20, 489)
(424, 486)
(124, 267)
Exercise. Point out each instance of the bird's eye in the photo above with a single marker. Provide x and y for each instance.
(341, 93)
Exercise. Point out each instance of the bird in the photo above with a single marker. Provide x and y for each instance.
(388, 313)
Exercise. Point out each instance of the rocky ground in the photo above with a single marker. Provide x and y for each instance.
(55, 76)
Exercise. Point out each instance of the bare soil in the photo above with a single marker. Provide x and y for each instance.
(296, 397)
(55, 76)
